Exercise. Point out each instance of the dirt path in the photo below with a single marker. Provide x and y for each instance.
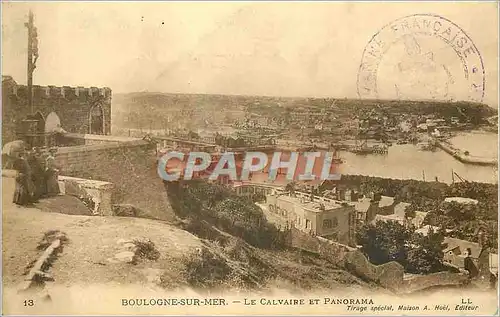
(92, 241)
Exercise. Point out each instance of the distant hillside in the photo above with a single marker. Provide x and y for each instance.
(147, 109)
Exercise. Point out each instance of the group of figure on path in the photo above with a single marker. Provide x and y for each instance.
(37, 176)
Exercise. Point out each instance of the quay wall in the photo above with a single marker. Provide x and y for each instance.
(465, 158)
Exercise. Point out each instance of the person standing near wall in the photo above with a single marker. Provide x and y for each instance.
(37, 173)
(51, 173)
(469, 264)
(21, 192)
(29, 173)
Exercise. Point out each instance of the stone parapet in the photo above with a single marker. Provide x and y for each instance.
(99, 192)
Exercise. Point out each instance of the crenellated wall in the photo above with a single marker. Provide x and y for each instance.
(71, 104)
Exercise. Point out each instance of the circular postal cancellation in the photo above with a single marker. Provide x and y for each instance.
(421, 56)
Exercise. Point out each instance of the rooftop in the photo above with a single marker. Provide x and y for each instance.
(7, 78)
(362, 204)
(419, 218)
(400, 217)
(453, 243)
(392, 217)
(425, 230)
(262, 177)
(386, 201)
(461, 200)
(400, 209)
(310, 205)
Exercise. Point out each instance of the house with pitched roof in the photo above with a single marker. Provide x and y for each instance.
(457, 250)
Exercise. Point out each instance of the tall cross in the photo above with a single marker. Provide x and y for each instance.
(32, 56)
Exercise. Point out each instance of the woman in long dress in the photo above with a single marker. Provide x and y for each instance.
(51, 174)
(21, 192)
(37, 173)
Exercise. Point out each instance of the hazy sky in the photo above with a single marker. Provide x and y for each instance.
(289, 49)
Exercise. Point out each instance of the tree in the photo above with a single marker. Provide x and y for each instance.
(241, 217)
(426, 255)
(193, 135)
(390, 241)
(385, 241)
(290, 188)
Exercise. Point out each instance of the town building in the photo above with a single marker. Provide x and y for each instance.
(457, 250)
(72, 109)
(378, 207)
(320, 217)
(400, 218)
(424, 230)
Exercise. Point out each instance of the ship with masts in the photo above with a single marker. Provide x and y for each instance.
(364, 149)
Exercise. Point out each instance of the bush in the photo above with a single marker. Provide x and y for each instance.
(221, 207)
(206, 269)
(146, 250)
(258, 198)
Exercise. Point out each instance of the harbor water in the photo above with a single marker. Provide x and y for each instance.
(407, 161)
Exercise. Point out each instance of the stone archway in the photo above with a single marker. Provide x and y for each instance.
(52, 122)
(96, 120)
(52, 125)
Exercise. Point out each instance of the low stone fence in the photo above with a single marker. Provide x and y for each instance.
(389, 275)
(328, 249)
(421, 282)
(333, 251)
(75, 139)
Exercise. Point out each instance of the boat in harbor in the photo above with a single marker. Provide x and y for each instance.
(337, 160)
(426, 146)
(374, 149)
(365, 149)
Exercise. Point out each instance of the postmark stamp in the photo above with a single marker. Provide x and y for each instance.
(421, 56)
